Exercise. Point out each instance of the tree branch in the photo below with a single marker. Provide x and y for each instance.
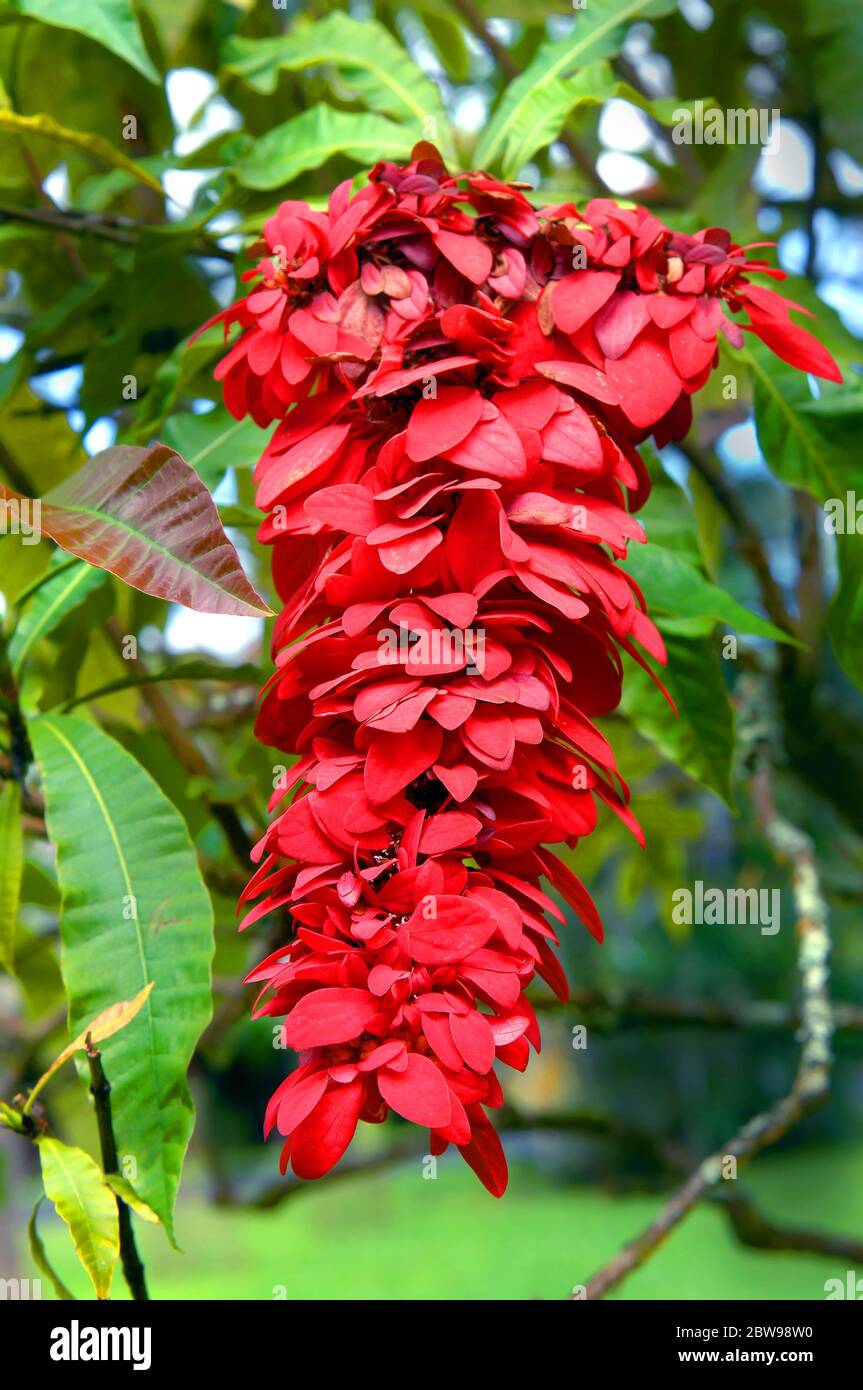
(133, 1269)
(811, 1083)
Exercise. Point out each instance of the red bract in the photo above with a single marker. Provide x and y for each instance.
(447, 493)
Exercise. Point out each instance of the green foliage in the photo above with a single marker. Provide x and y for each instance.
(11, 869)
(74, 1183)
(122, 928)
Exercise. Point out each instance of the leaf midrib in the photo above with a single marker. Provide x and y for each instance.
(108, 519)
(70, 748)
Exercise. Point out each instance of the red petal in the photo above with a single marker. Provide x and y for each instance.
(394, 760)
(645, 381)
(419, 1093)
(577, 297)
(794, 345)
(474, 1040)
(690, 353)
(300, 1101)
(485, 1152)
(470, 256)
(321, 1139)
(620, 321)
(581, 377)
(441, 422)
(460, 927)
(328, 1016)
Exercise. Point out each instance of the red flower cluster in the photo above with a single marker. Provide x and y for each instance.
(460, 383)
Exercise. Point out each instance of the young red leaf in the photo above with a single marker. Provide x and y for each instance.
(145, 515)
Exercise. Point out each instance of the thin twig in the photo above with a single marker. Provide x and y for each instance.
(100, 1090)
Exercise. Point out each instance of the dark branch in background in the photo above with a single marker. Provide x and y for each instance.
(811, 1084)
(104, 227)
(100, 1090)
(621, 1008)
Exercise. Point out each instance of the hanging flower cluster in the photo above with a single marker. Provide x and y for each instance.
(460, 383)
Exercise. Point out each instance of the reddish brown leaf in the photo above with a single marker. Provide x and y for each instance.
(145, 515)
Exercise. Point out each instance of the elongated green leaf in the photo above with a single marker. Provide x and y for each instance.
(675, 587)
(11, 869)
(307, 141)
(145, 515)
(124, 925)
(535, 100)
(40, 1259)
(112, 23)
(549, 104)
(215, 442)
(700, 740)
(96, 145)
(368, 59)
(121, 1188)
(48, 605)
(75, 1185)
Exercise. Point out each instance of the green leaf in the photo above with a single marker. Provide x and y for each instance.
(74, 1183)
(40, 1259)
(112, 23)
(809, 442)
(307, 141)
(123, 1189)
(541, 96)
(215, 442)
(122, 926)
(47, 128)
(11, 869)
(368, 59)
(49, 603)
(701, 739)
(675, 587)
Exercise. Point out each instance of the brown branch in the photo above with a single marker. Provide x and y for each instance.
(811, 1084)
(104, 227)
(133, 1269)
(77, 223)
